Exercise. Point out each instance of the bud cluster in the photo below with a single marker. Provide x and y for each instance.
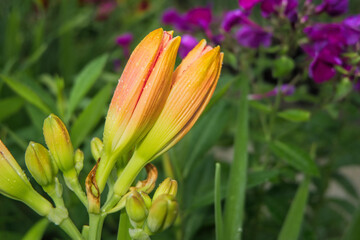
(156, 214)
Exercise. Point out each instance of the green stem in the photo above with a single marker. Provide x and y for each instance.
(96, 222)
(69, 227)
(235, 201)
(124, 226)
(124, 181)
(72, 181)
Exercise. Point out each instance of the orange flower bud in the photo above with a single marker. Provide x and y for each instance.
(139, 97)
(194, 82)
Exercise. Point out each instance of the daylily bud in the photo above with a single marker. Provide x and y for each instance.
(162, 214)
(96, 148)
(139, 97)
(168, 186)
(14, 184)
(79, 160)
(58, 141)
(194, 82)
(136, 209)
(40, 165)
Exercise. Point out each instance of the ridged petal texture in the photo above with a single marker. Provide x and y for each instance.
(194, 82)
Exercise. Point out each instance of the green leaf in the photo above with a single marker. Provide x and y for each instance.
(10, 106)
(37, 231)
(353, 232)
(295, 115)
(282, 67)
(295, 157)
(84, 82)
(206, 133)
(343, 88)
(217, 205)
(90, 116)
(260, 106)
(235, 200)
(26, 93)
(292, 225)
(257, 178)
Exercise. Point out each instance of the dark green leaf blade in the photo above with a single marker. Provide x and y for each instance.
(90, 116)
(295, 157)
(292, 225)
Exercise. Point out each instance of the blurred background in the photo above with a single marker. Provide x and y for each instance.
(65, 57)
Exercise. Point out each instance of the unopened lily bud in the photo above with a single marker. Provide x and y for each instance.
(79, 160)
(146, 199)
(40, 165)
(14, 184)
(96, 148)
(136, 209)
(162, 214)
(58, 141)
(168, 186)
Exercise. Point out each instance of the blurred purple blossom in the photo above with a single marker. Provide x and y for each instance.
(352, 25)
(104, 9)
(232, 18)
(188, 42)
(173, 17)
(285, 89)
(253, 37)
(333, 7)
(289, 8)
(248, 4)
(199, 17)
(320, 70)
(124, 41)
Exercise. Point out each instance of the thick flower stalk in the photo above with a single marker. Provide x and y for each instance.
(193, 84)
(138, 99)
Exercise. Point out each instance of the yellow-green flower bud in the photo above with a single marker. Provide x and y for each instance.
(39, 164)
(79, 160)
(162, 214)
(146, 199)
(58, 141)
(168, 186)
(14, 184)
(96, 148)
(136, 209)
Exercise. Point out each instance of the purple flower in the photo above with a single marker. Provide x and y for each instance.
(321, 71)
(332, 33)
(285, 89)
(276, 6)
(232, 18)
(352, 26)
(124, 41)
(188, 42)
(333, 7)
(248, 4)
(200, 16)
(253, 37)
(173, 17)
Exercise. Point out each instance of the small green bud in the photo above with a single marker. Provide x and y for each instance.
(58, 141)
(168, 186)
(40, 165)
(79, 160)
(146, 199)
(162, 214)
(136, 209)
(96, 148)
(14, 184)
